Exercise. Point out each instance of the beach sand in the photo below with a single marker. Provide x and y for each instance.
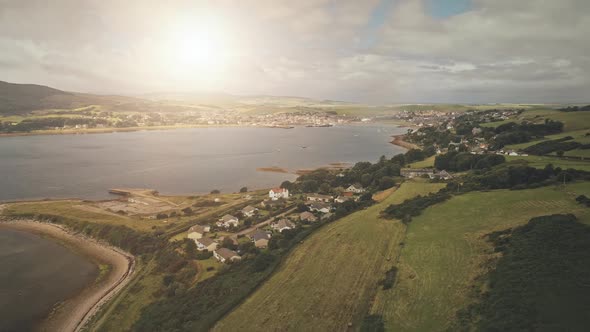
(74, 313)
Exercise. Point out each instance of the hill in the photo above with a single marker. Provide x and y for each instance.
(329, 280)
(445, 259)
(24, 98)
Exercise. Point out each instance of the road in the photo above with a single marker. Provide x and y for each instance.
(264, 223)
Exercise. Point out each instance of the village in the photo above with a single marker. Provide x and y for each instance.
(256, 225)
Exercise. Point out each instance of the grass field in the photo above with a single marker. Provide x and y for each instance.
(444, 251)
(428, 162)
(78, 210)
(542, 161)
(328, 281)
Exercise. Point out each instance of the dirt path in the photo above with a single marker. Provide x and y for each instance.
(74, 313)
(261, 224)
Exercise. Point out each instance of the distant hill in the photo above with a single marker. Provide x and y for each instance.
(24, 98)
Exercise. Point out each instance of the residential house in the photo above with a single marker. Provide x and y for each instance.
(355, 188)
(443, 175)
(319, 198)
(206, 243)
(225, 255)
(282, 225)
(307, 216)
(277, 193)
(416, 172)
(260, 238)
(197, 231)
(320, 207)
(342, 199)
(326, 216)
(227, 221)
(249, 211)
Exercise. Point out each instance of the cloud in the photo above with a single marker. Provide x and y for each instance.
(493, 51)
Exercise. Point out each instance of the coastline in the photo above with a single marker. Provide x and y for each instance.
(74, 313)
(399, 141)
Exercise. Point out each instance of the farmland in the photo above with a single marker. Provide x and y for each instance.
(328, 281)
(444, 252)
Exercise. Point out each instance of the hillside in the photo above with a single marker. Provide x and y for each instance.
(328, 280)
(24, 98)
(444, 259)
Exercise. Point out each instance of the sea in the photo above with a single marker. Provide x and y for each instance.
(182, 161)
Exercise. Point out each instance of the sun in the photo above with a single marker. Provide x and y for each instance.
(199, 46)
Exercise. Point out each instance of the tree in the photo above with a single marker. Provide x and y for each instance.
(190, 248)
(386, 182)
(215, 191)
(287, 185)
(325, 188)
(187, 211)
(309, 186)
(560, 153)
(244, 189)
(228, 243)
(366, 179)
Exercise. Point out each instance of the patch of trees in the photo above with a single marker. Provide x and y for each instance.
(49, 123)
(575, 109)
(514, 133)
(462, 161)
(414, 206)
(539, 283)
(518, 176)
(547, 147)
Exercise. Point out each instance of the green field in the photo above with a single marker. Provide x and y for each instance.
(444, 251)
(328, 281)
(542, 161)
(428, 162)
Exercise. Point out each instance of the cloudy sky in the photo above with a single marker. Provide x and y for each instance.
(373, 51)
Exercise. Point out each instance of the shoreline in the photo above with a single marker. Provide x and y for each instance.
(399, 141)
(74, 313)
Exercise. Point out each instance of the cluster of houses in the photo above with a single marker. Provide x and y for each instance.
(425, 172)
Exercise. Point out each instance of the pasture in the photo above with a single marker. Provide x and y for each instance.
(444, 252)
(328, 281)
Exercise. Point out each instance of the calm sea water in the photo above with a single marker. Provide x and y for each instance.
(177, 161)
(35, 274)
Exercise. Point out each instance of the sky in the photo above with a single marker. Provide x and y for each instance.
(369, 51)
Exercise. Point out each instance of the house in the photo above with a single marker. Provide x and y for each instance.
(249, 211)
(319, 198)
(227, 221)
(260, 238)
(206, 243)
(444, 175)
(277, 193)
(319, 207)
(307, 216)
(416, 172)
(197, 231)
(282, 225)
(342, 199)
(355, 188)
(225, 255)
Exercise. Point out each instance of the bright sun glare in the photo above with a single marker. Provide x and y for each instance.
(199, 47)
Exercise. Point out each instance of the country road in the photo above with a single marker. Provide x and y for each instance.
(264, 223)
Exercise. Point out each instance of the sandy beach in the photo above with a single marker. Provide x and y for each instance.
(74, 313)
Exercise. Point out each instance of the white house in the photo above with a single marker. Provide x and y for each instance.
(227, 221)
(197, 231)
(225, 255)
(342, 199)
(277, 193)
(249, 211)
(206, 243)
(319, 198)
(355, 188)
